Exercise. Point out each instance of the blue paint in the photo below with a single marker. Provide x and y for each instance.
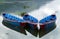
(31, 19)
(48, 18)
(10, 17)
(48, 26)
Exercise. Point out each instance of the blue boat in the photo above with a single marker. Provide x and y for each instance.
(32, 24)
(12, 19)
(29, 23)
(47, 24)
(14, 23)
(31, 20)
(48, 20)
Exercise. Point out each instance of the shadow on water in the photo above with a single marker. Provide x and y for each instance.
(21, 6)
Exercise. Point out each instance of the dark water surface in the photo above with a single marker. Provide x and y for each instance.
(18, 6)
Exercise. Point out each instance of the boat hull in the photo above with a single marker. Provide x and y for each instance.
(46, 28)
(13, 27)
(30, 24)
